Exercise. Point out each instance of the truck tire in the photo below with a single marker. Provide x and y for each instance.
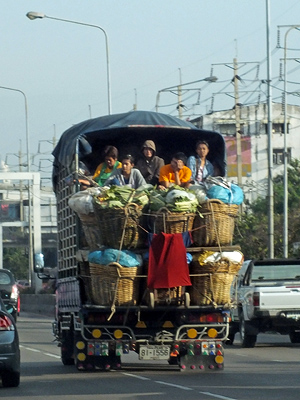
(67, 348)
(248, 341)
(295, 337)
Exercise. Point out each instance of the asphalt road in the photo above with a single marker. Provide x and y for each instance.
(269, 371)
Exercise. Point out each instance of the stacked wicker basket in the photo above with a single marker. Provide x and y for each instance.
(211, 282)
(114, 284)
(215, 225)
(166, 221)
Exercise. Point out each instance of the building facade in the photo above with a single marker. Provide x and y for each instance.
(254, 142)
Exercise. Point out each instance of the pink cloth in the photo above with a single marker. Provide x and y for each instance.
(168, 266)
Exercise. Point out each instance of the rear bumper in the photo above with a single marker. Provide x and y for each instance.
(9, 357)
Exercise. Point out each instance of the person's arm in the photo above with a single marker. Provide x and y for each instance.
(186, 177)
(163, 178)
(179, 172)
(138, 178)
(97, 172)
(112, 176)
(191, 164)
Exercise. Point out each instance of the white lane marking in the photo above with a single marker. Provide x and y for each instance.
(143, 378)
(51, 355)
(173, 385)
(217, 396)
(39, 351)
(30, 349)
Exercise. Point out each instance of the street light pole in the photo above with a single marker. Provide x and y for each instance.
(285, 153)
(29, 193)
(270, 139)
(36, 15)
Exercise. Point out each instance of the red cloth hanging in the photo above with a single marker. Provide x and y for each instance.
(168, 266)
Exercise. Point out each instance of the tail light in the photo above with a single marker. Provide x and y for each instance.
(14, 292)
(256, 299)
(18, 305)
(6, 323)
(212, 318)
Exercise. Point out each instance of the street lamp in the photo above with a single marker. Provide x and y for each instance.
(179, 87)
(37, 15)
(285, 154)
(28, 169)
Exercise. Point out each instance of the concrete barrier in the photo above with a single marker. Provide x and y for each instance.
(43, 304)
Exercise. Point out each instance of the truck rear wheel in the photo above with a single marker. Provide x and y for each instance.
(67, 347)
(248, 341)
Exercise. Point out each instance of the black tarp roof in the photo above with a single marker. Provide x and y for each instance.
(128, 131)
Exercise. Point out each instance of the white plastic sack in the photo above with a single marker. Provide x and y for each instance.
(200, 193)
(82, 202)
(233, 256)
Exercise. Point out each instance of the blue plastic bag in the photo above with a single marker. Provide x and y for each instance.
(234, 195)
(124, 257)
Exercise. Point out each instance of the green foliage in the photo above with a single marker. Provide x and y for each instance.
(16, 261)
(252, 229)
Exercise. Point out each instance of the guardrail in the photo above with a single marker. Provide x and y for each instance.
(43, 304)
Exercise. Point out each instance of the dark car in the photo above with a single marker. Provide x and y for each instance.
(9, 291)
(9, 348)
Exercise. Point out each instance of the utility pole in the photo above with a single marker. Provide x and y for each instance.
(21, 191)
(237, 124)
(180, 96)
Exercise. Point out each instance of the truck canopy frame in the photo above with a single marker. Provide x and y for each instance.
(127, 132)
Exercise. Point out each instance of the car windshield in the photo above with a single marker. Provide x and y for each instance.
(276, 272)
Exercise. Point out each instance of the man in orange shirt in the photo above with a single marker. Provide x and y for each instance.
(176, 172)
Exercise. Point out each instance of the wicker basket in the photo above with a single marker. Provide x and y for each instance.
(120, 226)
(84, 275)
(216, 227)
(91, 230)
(113, 284)
(211, 282)
(165, 221)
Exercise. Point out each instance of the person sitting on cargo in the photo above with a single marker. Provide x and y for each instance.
(200, 166)
(127, 175)
(150, 164)
(176, 173)
(111, 163)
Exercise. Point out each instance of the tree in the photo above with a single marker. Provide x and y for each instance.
(252, 228)
(16, 261)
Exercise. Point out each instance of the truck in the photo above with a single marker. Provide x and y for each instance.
(268, 300)
(93, 336)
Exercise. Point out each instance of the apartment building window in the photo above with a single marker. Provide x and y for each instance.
(229, 129)
(277, 128)
(278, 156)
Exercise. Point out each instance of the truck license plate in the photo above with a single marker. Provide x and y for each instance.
(152, 352)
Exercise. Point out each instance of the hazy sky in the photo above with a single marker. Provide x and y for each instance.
(61, 67)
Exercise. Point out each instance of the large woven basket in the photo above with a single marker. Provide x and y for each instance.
(170, 222)
(211, 282)
(216, 225)
(114, 284)
(120, 226)
(84, 275)
(91, 230)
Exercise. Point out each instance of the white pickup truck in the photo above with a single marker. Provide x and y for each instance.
(268, 300)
